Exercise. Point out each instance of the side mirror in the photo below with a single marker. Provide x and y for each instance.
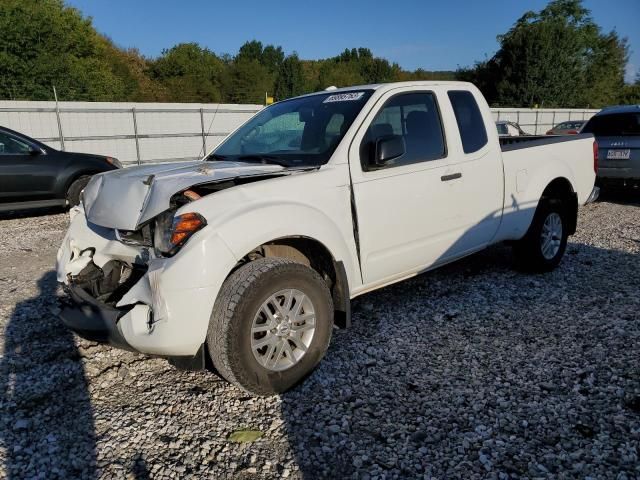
(33, 151)
(389, 148)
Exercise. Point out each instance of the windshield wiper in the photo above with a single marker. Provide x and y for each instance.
(262, 159)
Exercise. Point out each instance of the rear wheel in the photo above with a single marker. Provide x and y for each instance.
(76, 187)
(270, 326)
(543, 247)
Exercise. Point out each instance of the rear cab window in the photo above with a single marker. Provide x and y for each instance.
(473, 132)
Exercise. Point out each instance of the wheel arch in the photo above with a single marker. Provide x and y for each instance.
(314, 254)
(561, 189)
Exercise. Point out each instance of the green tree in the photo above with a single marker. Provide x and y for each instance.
(339, 74)
(190, 73)
(269, 56)
(249, 51)
(251, 56)
(133, 70)
(272, 58)
(557, 57)
(290, 79)
(248, 81)
(631, 93)
(45, 43)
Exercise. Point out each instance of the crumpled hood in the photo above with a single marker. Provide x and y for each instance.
(128, 197)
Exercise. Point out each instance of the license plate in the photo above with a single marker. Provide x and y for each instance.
(619, 154)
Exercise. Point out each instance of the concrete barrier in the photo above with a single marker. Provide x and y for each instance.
(132, 132)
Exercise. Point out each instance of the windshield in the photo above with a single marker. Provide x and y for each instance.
(613, 125)
(303, 131)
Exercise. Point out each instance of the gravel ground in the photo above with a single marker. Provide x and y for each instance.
(473, 371)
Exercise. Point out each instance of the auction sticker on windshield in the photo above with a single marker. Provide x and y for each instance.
(344, 97)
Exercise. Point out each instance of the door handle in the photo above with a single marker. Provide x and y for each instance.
(452, 176)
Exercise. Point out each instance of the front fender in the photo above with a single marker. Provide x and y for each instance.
(245, 229)
(246, 217)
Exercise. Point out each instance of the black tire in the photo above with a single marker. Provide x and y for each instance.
(528, 251)
(240, 298)
(74, 190)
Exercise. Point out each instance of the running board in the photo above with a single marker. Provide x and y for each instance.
(15, 206)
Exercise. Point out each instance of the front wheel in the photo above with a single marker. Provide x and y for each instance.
(270, 326)
(542, 248)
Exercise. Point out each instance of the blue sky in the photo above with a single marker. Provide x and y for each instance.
(438, 35)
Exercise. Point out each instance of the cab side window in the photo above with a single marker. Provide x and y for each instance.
(470, 123)
(9, 145)
(413, 117)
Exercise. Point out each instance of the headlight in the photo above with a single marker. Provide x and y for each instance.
(171, 233)
(114, 161)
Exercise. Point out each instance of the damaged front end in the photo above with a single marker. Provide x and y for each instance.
(109, 283)
(135, 279)
(117, 293)
(106, 280)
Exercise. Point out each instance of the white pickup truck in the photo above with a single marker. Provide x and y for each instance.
(243, 262)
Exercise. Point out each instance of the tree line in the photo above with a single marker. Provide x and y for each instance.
(45, 43)
(557, 57)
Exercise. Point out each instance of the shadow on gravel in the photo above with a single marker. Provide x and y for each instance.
(140, 471)
(621, 196)
(46, 426)
(476, 370)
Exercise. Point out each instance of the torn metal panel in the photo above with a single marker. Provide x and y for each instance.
(139, 293)
(124, 199)
(98, 244)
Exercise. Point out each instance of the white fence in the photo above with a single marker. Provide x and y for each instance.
(537, 121)
(156, 132)
(131, 132)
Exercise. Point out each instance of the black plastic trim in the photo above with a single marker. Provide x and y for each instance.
(572, 200)
(15, 206)
(342, 297)
(508, 144)
(93, 320)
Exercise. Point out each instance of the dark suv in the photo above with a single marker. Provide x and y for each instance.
(34, 175)
(617, 131)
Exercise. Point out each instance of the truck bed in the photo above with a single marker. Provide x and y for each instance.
(525, 141)
(527, 162)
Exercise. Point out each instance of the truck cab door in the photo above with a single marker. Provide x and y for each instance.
(403, 205)
(477, 159)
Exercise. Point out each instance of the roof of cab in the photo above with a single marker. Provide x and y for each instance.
(619, 109)
(391, 85)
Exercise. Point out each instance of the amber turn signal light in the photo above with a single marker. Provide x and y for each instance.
(184, 226)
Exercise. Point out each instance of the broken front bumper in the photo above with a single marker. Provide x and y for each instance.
(92, 319)
(125, 296)
(99, 322)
